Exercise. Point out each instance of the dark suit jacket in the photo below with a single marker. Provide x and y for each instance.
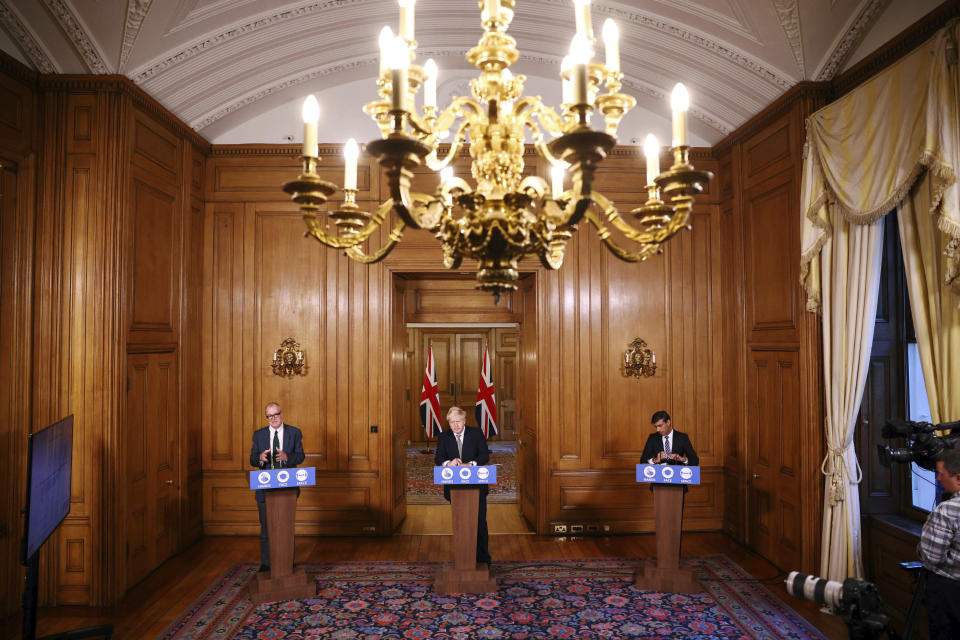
(474, 450)
(292, 445)
(679, 443)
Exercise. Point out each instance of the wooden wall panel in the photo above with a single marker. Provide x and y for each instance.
(16, 273)
(223, 281)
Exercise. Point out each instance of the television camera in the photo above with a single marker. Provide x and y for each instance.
(923, 443)
(857, 601)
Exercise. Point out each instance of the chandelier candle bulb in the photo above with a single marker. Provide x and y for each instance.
(430, 84)
(582, 13)
(492, 8)
(580, 57)
(651, 149)
(350, 153)
(679, 103)
(611, 42)
(385, 41)
(406, 19)
(310, 114)
(399, 63)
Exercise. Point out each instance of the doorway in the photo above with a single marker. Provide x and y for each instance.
(459, 332)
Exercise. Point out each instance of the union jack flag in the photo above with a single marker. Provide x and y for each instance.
(430, 400)
(486, 400)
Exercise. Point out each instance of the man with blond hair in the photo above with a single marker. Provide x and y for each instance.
(463, 445)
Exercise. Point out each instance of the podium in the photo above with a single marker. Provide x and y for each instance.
(667, 574)
(466, 575)
(284, 581)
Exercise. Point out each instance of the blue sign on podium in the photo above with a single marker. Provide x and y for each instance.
(465, 475)
(668, 474)
(281, 478)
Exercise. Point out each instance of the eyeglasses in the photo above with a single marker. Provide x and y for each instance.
(270, 416)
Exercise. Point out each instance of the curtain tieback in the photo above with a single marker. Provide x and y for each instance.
(835, 468)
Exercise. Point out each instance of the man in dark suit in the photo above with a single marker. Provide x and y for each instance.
(275, 446)
(668, 446)
(463, 445)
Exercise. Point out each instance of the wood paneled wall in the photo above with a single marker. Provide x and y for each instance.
(17, 202)
(112, 219)
(264, 282)
(772, 396)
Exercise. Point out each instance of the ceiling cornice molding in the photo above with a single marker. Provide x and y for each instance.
(788, 14)
(768, 73)
(897, 47)
(136, 11)
(147, 71)
(26, 39)
(869, 11)
(78, 36)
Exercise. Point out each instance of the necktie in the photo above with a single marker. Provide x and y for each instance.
(666, 445)
(276, 443)
(460, 445)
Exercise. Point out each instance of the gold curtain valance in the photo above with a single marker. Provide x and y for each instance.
(865, 152)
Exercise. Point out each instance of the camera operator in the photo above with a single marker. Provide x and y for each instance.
(939, 549)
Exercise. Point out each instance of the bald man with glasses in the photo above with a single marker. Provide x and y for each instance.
(276, 446)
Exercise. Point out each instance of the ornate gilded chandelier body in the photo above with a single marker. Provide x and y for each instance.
(505, 217)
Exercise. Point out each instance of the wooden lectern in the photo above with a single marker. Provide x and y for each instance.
(283, 582)
(666, 574)
(466, 576)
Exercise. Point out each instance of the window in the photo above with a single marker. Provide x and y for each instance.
(923, 486)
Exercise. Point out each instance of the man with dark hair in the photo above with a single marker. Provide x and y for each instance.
(463, 445)
(668, 445)
(939, 549)
(275, 446)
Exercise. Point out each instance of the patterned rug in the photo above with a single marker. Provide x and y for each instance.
(592, 598)
(420, 487)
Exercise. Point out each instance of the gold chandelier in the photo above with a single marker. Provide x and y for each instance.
(505, 217)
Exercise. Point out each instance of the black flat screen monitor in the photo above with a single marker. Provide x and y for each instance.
(49, 467)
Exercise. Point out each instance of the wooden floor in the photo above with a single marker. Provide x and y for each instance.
(162, 596)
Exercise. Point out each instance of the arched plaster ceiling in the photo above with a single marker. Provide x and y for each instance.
(237, 70)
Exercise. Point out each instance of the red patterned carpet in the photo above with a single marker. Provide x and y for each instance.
(591, 598)
(420, 487)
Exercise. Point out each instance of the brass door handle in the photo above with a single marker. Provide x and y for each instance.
(169, 481)
(756, 475)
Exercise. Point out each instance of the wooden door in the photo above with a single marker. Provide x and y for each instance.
(503, 353)
(772, 450)
(526, 427)
(150, 442)
(457, 358)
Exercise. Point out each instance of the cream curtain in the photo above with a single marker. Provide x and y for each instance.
(864, 154)
(850, 262)
(935, 319)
